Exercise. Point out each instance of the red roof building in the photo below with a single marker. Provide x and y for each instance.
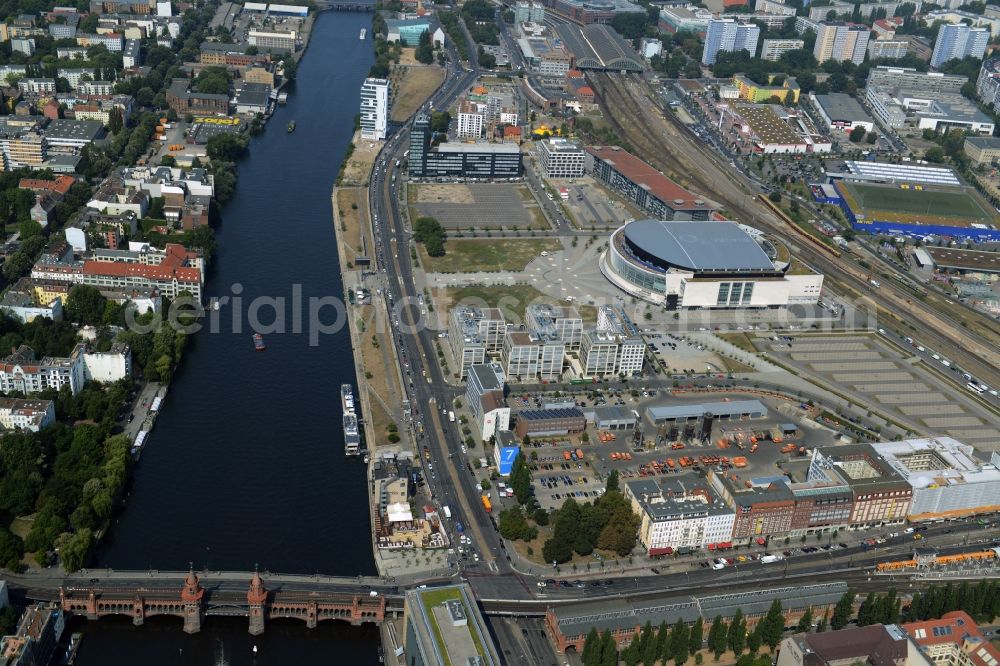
(57, 188)
(953, 639)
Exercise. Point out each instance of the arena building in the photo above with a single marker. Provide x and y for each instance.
(703, 264)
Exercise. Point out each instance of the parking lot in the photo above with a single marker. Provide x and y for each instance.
(477, 205)
(678, 355)
(904, 384)
(592, 205)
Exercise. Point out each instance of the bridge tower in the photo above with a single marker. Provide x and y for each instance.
(256, 598)
(191, 596)
(138, 611)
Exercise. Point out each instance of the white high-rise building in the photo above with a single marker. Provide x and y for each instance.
(958, 40)
(841, 41)
(729, 35)
(374, 109)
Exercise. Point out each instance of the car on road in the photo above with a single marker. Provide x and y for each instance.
(541, 583)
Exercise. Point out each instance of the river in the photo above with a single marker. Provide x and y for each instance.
(245, 467)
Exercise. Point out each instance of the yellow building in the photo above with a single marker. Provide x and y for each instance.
(787, 92)
(47, 291)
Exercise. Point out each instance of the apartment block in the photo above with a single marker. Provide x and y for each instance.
(771, 49)
(31, 415)
(958, 40)
(679, 512)
(729, 35)
(841, 41)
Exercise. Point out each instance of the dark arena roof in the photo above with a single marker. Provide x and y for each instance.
(696, 246)
(599, 47)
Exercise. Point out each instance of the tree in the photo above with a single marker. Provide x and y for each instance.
(821, 627)
(662, 638)
(513, 525)
(679, 639)
(934, 154)
(425, 50)
(753, 640)
(805, 622)
(520, 479)
(737, 638)
(775, 196)
(440, 120)
(609, 649)
(227, 147)
(429, 231)
(857, 134)
(612, 482)
(696, 636)
(591, 655)
(85, 305)
(717, 637)
(772, 626)
(212, 80)
(842, 611)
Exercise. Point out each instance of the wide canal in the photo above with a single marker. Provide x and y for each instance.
(245, 467)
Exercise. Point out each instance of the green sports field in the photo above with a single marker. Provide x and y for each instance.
(892, 203)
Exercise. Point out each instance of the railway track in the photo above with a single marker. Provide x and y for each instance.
(635, 117)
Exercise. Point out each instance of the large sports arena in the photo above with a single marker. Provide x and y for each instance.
(686, 264)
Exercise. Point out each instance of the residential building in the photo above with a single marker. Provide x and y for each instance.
(729, 35)
(555, 322)
(132, 55)
(21, 371)
(772, 49)
(679, 512)
(235, 55)
(171, 272)
(37, 637)
(93, 229)
(374, 109)
(763, 507)
(885, 29)
(529, 12)
(33, 86)
(484, 395)
(841, 41)
(549, 422)
(25, 45)
(284, 40)
(31, 415)
(774, 7)
(561, 158)
(958, 40)
(21, 303)
(527, 355)
(983, 149)
(880, 49)
(953, 640)
(988, 83)
(470, 121)
(113, 42)
(56, 188)
(872, 645)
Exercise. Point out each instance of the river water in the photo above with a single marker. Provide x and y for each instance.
(245, 467)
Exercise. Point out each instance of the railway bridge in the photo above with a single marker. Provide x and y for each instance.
(193, 602)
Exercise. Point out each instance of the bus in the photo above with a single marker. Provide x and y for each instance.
(486, 504)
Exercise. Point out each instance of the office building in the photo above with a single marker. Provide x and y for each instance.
(881, 495)
(947, 479)
(958, 40)
(771, 49)
(561, 158)
(679, 512)
(685, 19)
(841, 41)
(556, 322)
(527, 356)
(644, 186)
(599, 354)
(615, 347)
(729, 35)
(549, 422)
(406, 31)
(374, 109)
(474, 332)
(284, 40)
(472, 160)
(443, 625)
(484, 393)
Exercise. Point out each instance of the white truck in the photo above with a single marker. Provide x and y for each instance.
(451, 416)
(447, 511)
(770, 559)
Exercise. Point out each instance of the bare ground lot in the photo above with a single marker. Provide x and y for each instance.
(477, 206)
(359, 165)
(486, 254)
(416, 83)
(351, 205)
